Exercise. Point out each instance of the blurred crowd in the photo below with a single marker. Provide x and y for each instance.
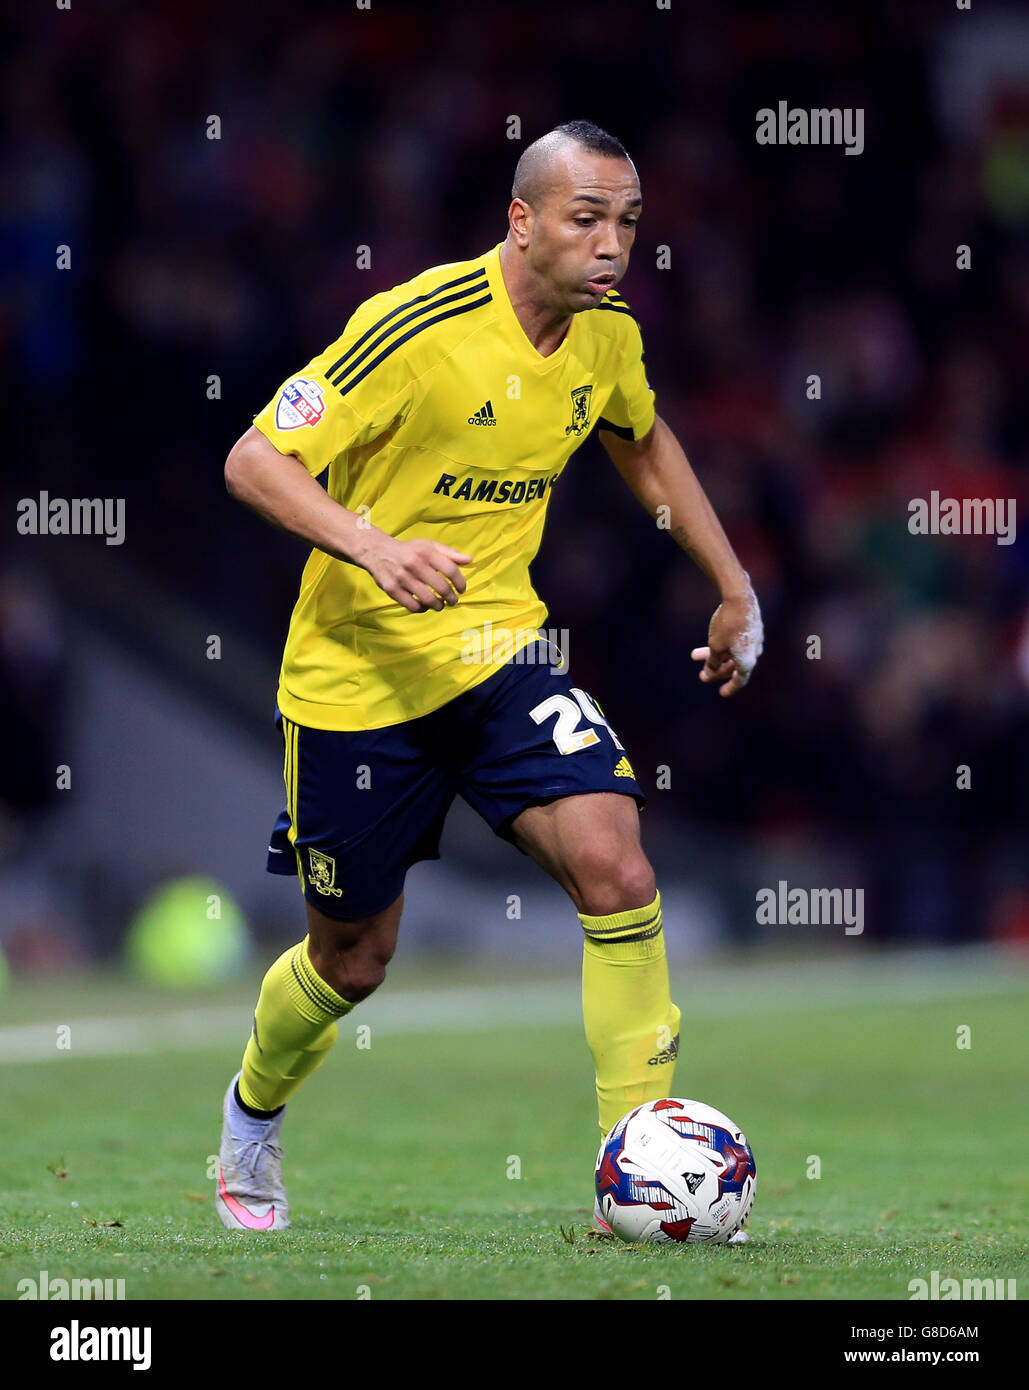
(388, 127)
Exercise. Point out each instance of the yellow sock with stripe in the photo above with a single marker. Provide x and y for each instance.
(632, 1026)
(294, 1027)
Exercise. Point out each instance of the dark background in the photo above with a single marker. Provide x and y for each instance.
(388, 128)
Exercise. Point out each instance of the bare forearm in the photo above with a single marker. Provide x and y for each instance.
(281, 490)
(660, 477)
(658, 473)
(418, 574)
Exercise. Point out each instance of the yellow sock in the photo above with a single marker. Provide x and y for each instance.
(294, 1027)
(632, 1026)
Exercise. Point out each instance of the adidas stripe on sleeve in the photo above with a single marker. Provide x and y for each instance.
(629, 411)
(365, 382)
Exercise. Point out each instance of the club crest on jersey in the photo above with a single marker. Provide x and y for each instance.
(323, 873)
(580, 410)
(300, 404)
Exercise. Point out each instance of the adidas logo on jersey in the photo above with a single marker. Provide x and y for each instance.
(484, 415)
(623, 768)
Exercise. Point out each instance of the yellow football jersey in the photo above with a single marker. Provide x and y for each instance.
(437, 418)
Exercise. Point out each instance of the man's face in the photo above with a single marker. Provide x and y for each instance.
(581, 233)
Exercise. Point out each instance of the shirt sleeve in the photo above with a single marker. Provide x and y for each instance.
(629, 411)
(347, 396)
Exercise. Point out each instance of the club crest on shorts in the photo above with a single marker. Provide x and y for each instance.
(323, 873)
(299, 404)
(580, 410)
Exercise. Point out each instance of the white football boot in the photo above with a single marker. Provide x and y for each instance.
(250, 1195)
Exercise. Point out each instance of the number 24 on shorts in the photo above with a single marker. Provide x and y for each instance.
(567, 735)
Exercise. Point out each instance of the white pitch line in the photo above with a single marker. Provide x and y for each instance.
(912, 977)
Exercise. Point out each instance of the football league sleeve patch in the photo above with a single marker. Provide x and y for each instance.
(313, 419)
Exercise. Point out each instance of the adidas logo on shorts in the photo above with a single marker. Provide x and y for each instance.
(484, 415)
(623, 768)
(666, 1055)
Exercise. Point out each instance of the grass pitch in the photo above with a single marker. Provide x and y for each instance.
(398, 1155)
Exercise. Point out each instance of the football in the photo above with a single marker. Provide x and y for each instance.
(675, 1170)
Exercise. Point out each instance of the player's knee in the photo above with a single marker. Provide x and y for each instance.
(615, 879)
(363, 979)
(354, 975)
(354, 969)
(351, 957)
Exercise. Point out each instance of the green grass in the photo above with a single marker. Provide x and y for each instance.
(397, 1159)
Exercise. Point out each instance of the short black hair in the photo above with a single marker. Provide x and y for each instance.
(591, 137)
(531, 170)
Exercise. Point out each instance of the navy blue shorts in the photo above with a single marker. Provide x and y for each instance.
(371, 803)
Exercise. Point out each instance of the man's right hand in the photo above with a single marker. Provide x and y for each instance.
(418, 574)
